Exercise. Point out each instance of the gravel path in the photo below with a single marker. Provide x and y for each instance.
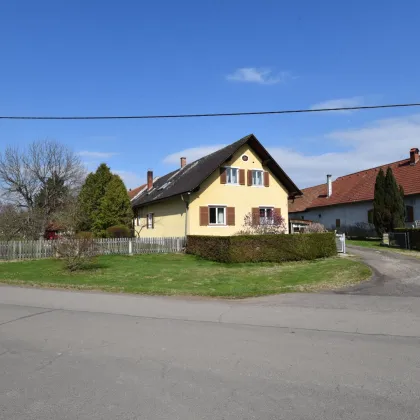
(394, 274)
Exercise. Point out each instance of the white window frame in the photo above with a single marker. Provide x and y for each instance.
(149, 221)
(218, 206)
(262, 177)
(229, 168)
(266, 220)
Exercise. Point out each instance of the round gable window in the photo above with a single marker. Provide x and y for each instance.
(244, 158)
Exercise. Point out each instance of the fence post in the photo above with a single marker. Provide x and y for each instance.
(130, 247)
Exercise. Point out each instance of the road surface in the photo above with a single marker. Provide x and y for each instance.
(68, 355)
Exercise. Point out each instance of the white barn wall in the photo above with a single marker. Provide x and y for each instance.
(350, 213)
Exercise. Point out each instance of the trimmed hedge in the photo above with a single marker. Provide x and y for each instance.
(263, 248)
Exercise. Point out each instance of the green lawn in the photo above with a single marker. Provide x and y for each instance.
(178, 274)
(366, 243)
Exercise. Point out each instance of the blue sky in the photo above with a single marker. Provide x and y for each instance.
(165, 57)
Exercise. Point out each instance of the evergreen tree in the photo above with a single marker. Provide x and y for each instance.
(52, 196)
(115, 207)
(388, 203)
(90, 197)
(379, 216)
(394, 202)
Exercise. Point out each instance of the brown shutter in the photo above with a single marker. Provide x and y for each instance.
(153, 220)
(241, 176)
(410, 214)
(223, 175)
(249, 177)
(277, 213)
(266, 179)
(230, 216)
(204, 216)
(255, 216)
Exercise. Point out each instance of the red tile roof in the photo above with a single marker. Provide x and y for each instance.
(358, 186)
(132, 193)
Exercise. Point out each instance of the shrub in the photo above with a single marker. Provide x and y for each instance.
(262, 248)
(118, 231)
(76, 252)
(315, 228)
(360, 230)
(253, 225)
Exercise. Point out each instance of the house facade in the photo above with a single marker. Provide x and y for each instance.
(348, 200)
(213, 195)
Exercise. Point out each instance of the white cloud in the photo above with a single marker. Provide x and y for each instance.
(191, 154)
(341, 103)
(378, 143)
(262, 76)
(96, 155)
(131, 179)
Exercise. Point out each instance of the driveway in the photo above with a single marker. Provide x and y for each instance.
(394, 274)
(90, 356)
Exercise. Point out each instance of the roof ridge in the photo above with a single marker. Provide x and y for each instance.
(375, 167)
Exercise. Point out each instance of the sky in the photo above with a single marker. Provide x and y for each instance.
(164, 57)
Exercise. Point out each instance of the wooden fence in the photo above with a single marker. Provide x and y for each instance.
(23, 250)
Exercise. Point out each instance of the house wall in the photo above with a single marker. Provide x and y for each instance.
(242, 197)
(169, 219)
(351, 213)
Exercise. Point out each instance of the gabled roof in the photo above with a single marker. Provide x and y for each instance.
(191, 176)
(132, 193)
(357, 187)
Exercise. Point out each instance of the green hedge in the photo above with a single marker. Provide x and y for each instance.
(263, 248)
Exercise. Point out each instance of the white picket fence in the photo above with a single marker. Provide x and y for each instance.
(24, 250)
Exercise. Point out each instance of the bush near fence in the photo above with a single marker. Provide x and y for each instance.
(413, 236)
(263, 248)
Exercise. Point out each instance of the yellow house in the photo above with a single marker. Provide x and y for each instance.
(214, 194)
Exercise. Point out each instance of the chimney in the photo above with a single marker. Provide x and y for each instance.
(149, 180)
(414, 155)
(329, 186)
(183, 161)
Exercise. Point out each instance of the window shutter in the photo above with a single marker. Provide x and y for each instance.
(266, 179)
(153, 220)
(223, 175)
(249, 177)
(277, 214)
(255, 216)
(241, 176)
(230, 216)
(204, 216)
(410, 214)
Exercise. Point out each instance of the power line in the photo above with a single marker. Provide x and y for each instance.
(222, 114)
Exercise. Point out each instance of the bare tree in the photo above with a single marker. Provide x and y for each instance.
(12, 222)
(37, 178)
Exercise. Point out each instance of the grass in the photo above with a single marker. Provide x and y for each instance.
(178, 274)
(376, 244)
(368, 243)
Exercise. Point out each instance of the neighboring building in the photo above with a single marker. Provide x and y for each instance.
(132, 193)
(349, 199)
(212, 195)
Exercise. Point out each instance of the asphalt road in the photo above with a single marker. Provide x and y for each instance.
(67, 355)
(394, 274)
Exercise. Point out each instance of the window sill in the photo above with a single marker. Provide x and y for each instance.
(234, 185)
(258, 186)
(217, 226)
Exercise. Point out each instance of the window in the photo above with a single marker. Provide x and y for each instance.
(266, 215)
(370, 216)
(337, 223)
(409, 214)
(231, 175)
(217, 215)
(257, 178)
(150, 224)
